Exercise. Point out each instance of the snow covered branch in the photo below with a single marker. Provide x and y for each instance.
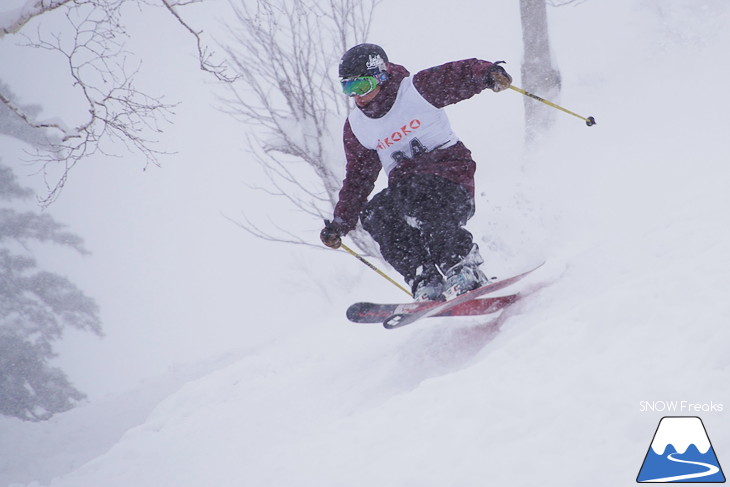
(13, 21)
(285, 53)
(36, 307)
(115, 114)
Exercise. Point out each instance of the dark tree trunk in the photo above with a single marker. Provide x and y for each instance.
(539, 76)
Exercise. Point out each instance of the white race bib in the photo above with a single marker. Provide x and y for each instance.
(412, 127)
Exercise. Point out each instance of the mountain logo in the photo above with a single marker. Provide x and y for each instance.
(681, 452)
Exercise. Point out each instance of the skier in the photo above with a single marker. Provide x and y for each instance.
(400, 125)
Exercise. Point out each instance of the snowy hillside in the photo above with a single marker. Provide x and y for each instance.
(631, 217)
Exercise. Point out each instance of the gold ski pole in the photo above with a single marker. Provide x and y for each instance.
(364, 261)
(588, 120)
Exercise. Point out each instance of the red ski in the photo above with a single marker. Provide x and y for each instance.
(378, 313)
(399, 319)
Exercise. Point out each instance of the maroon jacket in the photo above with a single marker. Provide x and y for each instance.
(441, 85)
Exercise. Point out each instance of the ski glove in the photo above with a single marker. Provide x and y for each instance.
(331, 234)
(497, 78)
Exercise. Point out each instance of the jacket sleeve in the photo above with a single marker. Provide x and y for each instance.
(363, 167)
(452, 82)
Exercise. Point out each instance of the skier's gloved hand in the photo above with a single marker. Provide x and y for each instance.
(497, 78)
(331, 234)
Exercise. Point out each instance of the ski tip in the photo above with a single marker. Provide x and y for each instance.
(361, 313)
(353, 311)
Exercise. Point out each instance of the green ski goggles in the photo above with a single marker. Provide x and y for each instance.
(362, 85)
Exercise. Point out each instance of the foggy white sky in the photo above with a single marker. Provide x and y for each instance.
(630, 216)
(171, 273)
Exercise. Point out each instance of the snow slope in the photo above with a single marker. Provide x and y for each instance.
(632, 218)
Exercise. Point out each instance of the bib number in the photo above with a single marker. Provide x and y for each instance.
(417, 149)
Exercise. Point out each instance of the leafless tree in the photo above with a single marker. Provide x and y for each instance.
(539, 73)
(286, 55)
(92, 44)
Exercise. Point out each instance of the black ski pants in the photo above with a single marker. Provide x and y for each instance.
(419, 225)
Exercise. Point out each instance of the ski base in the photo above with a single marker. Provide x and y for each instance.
(399, 319)
(378, 313)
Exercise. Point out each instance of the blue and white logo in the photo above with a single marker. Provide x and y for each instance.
(681, 452)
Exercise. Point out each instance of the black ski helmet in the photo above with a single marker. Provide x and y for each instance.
(363, 60)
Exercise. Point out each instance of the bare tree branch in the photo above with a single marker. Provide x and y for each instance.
(282, 235)
(118, 114)
(284, 53)
(219, 70)
(115, 113)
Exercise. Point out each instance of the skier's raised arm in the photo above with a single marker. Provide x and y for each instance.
(458, 80)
